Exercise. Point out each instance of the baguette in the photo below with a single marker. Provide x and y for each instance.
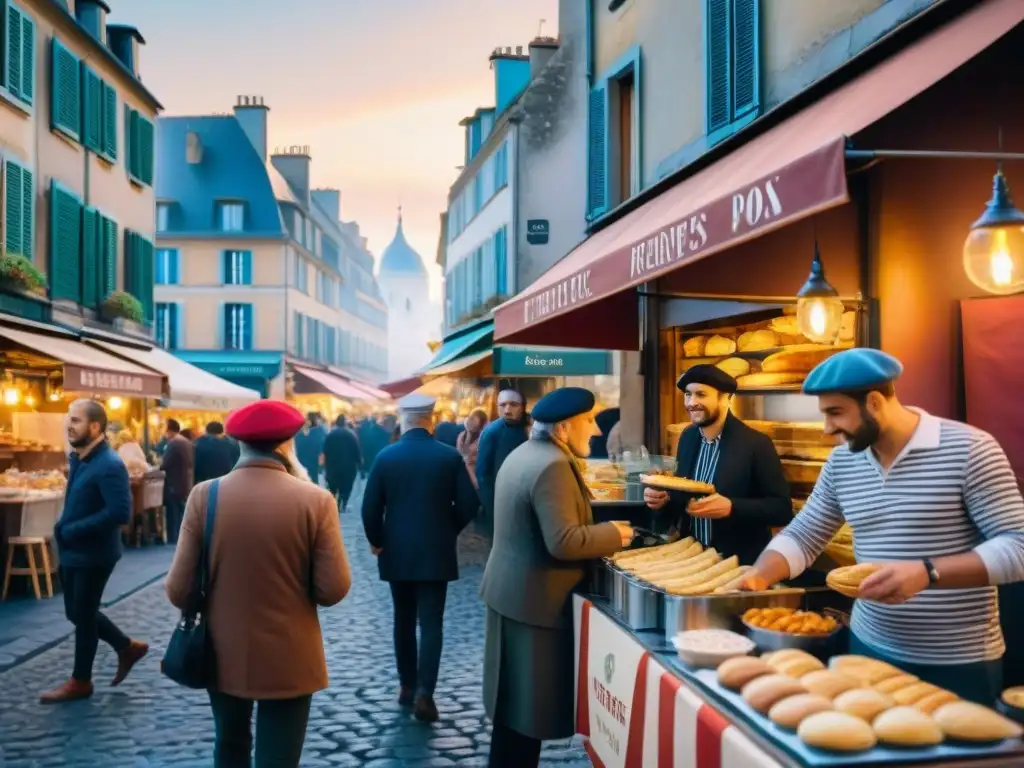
(800, 358)
(756, 341)
(706, 587)
(621, 557)
(683, 571)
(757, 380)
(732, 586)
(729, 564)
(689, 557)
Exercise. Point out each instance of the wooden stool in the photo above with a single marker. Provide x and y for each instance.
(29, 543)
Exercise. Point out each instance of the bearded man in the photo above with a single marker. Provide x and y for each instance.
(752, 495)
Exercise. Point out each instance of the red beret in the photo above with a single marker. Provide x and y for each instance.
(265, 421)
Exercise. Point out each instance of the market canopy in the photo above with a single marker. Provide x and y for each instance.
(789, 172)
(89, 370)
(191, 388)
(475, 365)
(462, 344)
(332, 384)
(369, 389)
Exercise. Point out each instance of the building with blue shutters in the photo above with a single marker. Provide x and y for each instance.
(256, 272)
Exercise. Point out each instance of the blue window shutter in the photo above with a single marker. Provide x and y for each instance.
(597, 152)
(147, 254)
(92, 109)
(746, 60)
(65, 241)
(718, 59)
(110, 122)
(147, 146)
(66, 89)
(247, 267)
(28, 58)
(129, 158)
(247, 330)
(175, 266)
(225, 267)
(90, 258)
(136, 151)
(178, 339)
(14, 60)
(14, 212)
(222, 326)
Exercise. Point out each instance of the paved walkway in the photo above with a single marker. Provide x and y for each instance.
(148, 721)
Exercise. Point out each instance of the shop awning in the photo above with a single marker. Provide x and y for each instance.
(791, 171)
(464, 365)
(402, 387)
(89, 370)
(191, 388)
(335, 385)
(459, 345)
(369, 389)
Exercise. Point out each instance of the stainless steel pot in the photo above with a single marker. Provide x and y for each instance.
(601, 580)
(642, 608)
(617, 587)
(720, 611)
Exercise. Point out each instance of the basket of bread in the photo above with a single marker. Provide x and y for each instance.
(854, 703)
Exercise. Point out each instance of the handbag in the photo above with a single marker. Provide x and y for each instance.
(189, 659)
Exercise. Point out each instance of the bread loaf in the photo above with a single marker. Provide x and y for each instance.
(799, 667)
(694, 346)
(767, 380)
(762, 693)
(868, 671)
(801, 358)
(967, 721)
(837, 731)
(933, 701)
(778, 658)
(735, 366)
(737, 672)
(786, 325)
(756, 341)
(907, 727)
(828, 683)
(865, 703)
(719, 346)
(892, 684)
(793, 710)
(914, 693)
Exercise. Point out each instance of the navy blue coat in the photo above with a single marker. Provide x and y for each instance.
(214, 457)
(417, 500)
(97, 503)
(342, 459)
(498, 440)
(448, 432)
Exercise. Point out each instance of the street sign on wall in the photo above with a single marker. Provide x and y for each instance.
(537, 231)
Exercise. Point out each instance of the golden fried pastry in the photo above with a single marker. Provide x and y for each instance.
(762, 693)
(892, 684)
(737, 672)
(907, 727)
(865, 703)
(914, 693)
(672, 483)
(648, 553)
(709, 585)
(800, 666)
(847, 581)
(790, 620)
(793, 710)
(829, 683)
(967, 721)
(837, 731)
(933, 701)
(1014, 697)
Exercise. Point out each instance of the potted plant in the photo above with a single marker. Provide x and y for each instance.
(20, 275)
(122, 306)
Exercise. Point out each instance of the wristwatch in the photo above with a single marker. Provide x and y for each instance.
(933, 573)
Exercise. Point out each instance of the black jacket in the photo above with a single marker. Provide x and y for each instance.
(749, 474)
(498, 440)
(342, 458)
(214, 457)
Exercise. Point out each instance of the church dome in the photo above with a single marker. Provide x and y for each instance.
(399, 257)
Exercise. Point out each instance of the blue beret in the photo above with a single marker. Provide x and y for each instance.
(562, 404)
(853, 370)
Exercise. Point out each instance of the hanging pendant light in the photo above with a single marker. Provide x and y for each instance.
(994, 249)
(819, 311)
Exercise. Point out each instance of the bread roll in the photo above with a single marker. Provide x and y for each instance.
(828, 683)
(757, 341)
(967, 721)
(837, 731)
(786, 325)
(914, 693)
(778, 658)
(1014, 697)
(868, 671)
(848, 326)
(694, 346)
(762, 693)
(907, 727)
(793, 710)
(767, 380)
(735, 366)
(933, 701)
(801, 358)
(737, 672)
(719, 346)
(865, 703)
(799, 667)
(892, 684)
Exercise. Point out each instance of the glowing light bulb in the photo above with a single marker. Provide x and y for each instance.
(11, 396)
(30, 401)
(818, 318)
(115, 403)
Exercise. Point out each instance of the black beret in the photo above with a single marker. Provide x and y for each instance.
(710, 375)
(562, 404)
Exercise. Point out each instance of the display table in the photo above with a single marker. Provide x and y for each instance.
(638, 706)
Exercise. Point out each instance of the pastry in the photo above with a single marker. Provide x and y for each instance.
(673, 483)
(757, 341)
(637, 555)
(674, 567)
(787, 325)
(710, 583)
(777, 658)
(892, 684)
(729, 564)
(793, 710)
(933, 701)
(799, 358)
(828, 683)
(694, 346)
(736, 673)
(868, 671)
(799, 667)
(914, 693)
(907, 727)
(1014, 697)
(967, 721)
(768, 380)
(865, 703)
(719, 346)
(762, 693)
(735, 366)
(846, 581)
(837, 731)
(733, 585)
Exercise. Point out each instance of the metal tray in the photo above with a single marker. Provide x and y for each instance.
(683, 613)
(636, 602)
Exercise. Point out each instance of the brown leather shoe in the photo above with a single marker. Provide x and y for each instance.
(405, 697)
(425, 710)
(127, 659)
(72, 690)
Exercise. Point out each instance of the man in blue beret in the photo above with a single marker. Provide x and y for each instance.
(934, 504)
(544, 536)
(752, 495)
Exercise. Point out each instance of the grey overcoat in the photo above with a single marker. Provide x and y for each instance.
(544, 536)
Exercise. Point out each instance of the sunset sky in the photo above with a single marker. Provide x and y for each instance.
(375, 87)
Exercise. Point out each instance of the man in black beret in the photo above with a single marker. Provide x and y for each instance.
(752, 495)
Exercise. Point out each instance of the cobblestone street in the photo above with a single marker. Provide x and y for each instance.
(149, 721)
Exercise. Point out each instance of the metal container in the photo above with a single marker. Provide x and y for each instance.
(680, 614)
(601, 580)
(642, 606)
(816, 645)
(617, 582)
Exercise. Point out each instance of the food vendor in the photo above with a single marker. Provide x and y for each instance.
(935, 503)
(752, 494)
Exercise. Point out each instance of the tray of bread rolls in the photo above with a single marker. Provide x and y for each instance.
(851, 710)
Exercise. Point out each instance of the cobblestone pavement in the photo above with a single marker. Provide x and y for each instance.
(149, 721)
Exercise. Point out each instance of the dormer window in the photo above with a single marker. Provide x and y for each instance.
(231, 216)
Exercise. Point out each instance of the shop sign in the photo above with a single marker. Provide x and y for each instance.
(538, 361)
(79, 379)
(537, 231)
(231, 369)
(810, 184)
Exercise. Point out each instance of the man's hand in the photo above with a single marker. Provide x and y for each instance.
(625, 532)
(754, 581)
(654, 498)
(895, 582)
(376, 550)
(713, 507)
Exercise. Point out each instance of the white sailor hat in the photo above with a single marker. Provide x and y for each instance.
(415, 403)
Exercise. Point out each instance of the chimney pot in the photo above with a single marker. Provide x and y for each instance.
(519, 50)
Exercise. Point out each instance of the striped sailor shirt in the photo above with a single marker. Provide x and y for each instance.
(704, 472)
(951, 490)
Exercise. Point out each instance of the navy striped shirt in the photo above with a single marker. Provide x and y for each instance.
(704, 472)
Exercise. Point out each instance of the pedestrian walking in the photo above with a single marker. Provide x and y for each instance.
(342, 461)
(498, 440)
(374, 436)
(276, 555)
(468, 442)
(215, 455)
(544, 534)
(448, 429)
(418, 498)
(97, 503)
(309, 445)
(178, 464)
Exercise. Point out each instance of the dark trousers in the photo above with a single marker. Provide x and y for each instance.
(174, 513)
(422, 601)
(280, 731)
(83, 592)
(511, 749)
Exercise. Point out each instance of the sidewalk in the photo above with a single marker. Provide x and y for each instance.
(29, 626)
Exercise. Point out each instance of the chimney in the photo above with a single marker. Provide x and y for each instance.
(330, 201)
(92, 17)
(541, 51)
(124, 42)
(293, 163)
(511, 76)
(193, 148)
(251, 114)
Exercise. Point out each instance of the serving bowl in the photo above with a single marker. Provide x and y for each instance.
(693, 647)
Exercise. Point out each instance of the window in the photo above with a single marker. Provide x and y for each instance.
(19, 60)
(236, 267)
(139, 146)
(166, 326)
(231, 217)
(99, 115)
(163, 217)
(733, 65)
(65, 241)
(168, 269)
(613, 154)
(301, 273)
(238, 326)
(66, 92)
(139, 263)
(300, 346)
(19, 213)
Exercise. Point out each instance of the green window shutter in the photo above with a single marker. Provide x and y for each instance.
(13, 54)
(90, 257)
(718, 55)
(28, 58)
(136, 148)
(28, 214)
(128, 160)
(110, 121)
(65, 241)
(13, 212)
(92, 110)
(597, 152)
(147, 137)
(66, 106)
(108, 267)
(746, 58)
(130, 262)
(147, 257)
